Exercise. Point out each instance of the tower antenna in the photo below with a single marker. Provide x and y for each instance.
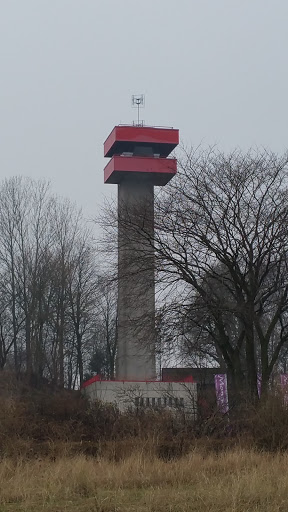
(138, 101)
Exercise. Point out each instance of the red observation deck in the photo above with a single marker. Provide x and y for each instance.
(140, 149)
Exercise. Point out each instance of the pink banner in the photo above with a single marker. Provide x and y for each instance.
(221, 392)
(284, 386)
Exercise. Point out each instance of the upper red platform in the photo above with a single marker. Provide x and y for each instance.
(123, 139)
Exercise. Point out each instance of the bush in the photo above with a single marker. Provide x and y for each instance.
(41, 423)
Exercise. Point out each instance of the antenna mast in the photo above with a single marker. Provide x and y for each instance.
(138, 101)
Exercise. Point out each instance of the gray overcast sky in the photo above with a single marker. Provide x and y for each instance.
(215, 69)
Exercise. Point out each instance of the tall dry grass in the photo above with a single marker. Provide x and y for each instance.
(59, 453)
(236, 481)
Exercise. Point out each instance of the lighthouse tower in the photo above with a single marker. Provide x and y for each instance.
(139, 160)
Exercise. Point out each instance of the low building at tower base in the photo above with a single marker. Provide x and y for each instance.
(127, 395)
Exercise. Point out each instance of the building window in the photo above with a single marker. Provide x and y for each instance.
(147, 402)
(153, 402)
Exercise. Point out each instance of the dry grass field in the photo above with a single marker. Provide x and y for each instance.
(59, 453)
(235, 481)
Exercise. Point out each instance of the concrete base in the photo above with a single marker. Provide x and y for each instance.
(126, 394)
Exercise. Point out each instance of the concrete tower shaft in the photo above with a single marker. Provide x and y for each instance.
(136, 288)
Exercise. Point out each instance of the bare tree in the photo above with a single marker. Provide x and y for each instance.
(104, 341)
(107, 318)
(83, 293)
(222, 230)
(48, 283)
(12, 201)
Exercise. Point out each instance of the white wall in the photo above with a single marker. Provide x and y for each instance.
(126, 394)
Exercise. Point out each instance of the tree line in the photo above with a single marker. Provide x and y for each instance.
(56, 308)
(221, 256)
